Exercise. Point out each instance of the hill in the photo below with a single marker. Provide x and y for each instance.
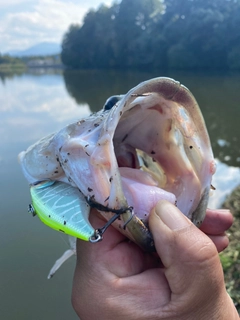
(39, 49)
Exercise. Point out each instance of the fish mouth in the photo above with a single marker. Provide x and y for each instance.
(161, 150)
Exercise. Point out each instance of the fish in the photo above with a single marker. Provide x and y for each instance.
(141, 147)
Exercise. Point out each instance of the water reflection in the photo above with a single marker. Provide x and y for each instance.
(225, 180)
(94, 87)
(27, 102)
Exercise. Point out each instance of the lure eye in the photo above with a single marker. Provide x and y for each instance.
(111, 101)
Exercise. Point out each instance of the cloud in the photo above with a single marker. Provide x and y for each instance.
(33, 110)
(224, 180)
(24, 23)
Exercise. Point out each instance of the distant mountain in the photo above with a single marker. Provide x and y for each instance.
(39, 49)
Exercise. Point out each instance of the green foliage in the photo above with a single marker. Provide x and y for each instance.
(11, 65)
(230, 257)
(155, 33)
(6, 59)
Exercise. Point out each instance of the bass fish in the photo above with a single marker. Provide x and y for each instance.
(144, 146)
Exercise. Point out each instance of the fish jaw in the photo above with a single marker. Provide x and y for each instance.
(157, 130)
(39, 162)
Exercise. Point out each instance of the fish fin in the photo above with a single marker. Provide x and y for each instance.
(66, 255)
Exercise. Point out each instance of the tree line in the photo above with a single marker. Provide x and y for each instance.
(7, 59)
(182, 34)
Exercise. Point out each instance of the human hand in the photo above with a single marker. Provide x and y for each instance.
(115, 279)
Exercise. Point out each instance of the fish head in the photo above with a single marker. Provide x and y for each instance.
(147, 145)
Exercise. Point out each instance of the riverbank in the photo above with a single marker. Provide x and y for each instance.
(231, 256)
(12, 67)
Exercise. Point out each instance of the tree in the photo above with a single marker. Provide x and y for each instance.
(152, 33)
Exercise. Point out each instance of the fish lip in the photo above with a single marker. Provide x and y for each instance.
(199, 213)
(141, 234)
(136, 229)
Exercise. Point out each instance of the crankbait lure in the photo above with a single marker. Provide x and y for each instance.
(63, 208)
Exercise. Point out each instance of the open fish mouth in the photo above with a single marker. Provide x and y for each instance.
(151, 144)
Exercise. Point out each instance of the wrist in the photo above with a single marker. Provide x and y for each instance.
(226, 309)
(232, 311)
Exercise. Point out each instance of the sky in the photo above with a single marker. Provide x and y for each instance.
(24, 23)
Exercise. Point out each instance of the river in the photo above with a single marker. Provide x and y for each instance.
(37, 103)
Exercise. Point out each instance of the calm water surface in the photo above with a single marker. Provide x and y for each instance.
(33, 105)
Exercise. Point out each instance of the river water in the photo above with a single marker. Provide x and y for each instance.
(37, 103)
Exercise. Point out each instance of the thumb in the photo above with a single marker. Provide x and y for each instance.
(188, 255)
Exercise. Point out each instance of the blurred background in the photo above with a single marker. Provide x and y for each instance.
(60, 61)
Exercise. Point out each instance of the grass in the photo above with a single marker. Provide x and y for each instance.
(230, 258)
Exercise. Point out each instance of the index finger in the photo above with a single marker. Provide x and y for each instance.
(217, 221)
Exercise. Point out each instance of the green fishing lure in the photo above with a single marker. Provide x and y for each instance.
(62, 207)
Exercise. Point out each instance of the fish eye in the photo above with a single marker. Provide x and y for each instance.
(111, 101)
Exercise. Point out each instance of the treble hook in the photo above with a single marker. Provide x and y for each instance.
(98, 236)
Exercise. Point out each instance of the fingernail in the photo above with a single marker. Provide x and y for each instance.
(171, 216)
(223, 211)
